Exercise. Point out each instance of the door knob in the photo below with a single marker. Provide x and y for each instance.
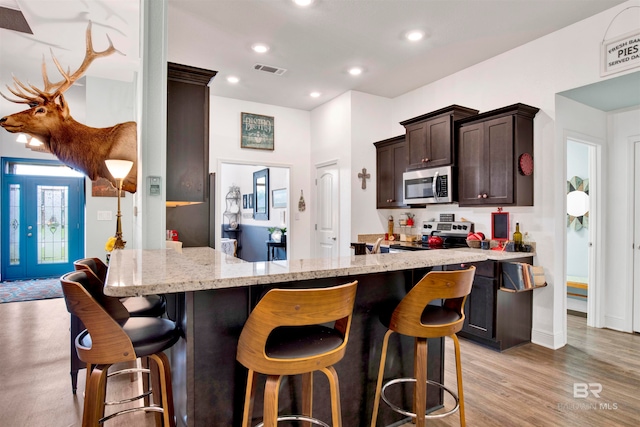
(30, 227)
(29, 234)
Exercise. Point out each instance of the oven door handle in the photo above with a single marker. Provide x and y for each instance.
(434, 187)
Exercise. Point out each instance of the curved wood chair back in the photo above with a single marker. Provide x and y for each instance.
(96, 265)
(296, 307)
(451, 286)
(109, 343)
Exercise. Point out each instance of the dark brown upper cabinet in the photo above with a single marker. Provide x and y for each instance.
(187, 133)
(430, 137)
(391, 162)
(495, 152)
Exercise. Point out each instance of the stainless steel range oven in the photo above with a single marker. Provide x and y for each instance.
(453, 235)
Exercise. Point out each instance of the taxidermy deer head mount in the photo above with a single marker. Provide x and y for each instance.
(78, 146)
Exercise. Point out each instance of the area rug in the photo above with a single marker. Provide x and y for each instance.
(29, 290)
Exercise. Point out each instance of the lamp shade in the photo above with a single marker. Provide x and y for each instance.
(119, 169)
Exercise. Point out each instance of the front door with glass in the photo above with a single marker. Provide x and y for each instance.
(42, 225)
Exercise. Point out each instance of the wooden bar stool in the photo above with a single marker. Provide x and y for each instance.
(414, 317)
(111, 337)
(144, 306)
(285, 335)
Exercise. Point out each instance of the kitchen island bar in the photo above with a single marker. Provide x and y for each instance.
(210, 294)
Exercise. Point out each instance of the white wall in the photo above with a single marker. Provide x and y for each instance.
(108, 102)
(292, 147)
(331, 134)
(369, 120)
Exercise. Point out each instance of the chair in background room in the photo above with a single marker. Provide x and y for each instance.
(415, 317)
(112, 336)
(285, 335)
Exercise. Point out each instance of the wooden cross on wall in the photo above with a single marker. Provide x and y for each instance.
(364, 176)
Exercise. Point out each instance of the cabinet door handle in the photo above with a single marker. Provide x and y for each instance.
(479, 196)
(484, 196)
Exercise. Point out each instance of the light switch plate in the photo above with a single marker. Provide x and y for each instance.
(104, 216)
(154, 185)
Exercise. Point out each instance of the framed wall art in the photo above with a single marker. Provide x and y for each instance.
(256, 131)
(279, 198)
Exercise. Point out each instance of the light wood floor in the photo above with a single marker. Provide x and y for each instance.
(525, 386)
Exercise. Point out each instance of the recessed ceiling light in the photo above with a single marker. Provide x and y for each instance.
(355, 71)
(315, 94)
(260, 48)
(303, 3)
(414, 35)
(233, 79)
(35, 142)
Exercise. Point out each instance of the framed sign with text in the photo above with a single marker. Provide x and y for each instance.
(620, 53)
(256, 131)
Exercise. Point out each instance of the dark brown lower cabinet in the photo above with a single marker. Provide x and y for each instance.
(496, 318)
(480, 308)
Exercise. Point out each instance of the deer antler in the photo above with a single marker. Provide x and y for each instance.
(30, 94)
(90, 55)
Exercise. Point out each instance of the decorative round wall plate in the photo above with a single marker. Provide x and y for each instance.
(525, 164)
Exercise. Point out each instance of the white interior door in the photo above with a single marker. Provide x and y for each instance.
(327, 211)
(636, 240)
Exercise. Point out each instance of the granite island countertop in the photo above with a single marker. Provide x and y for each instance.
(134, 272)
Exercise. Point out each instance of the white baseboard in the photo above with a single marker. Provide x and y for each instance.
(616, 323)
(577, 305)
(545, 339)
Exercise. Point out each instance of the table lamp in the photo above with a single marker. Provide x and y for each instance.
(119, 169)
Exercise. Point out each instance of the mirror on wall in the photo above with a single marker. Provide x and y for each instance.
(261, 195)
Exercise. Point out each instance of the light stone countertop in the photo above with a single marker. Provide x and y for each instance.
(134, 272)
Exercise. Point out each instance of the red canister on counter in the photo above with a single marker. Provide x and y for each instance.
(172, 235)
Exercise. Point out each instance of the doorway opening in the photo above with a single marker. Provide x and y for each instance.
(582, 220)
(253, 214)
(42, 218)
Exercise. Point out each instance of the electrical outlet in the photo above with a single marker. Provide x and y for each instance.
(104, 215)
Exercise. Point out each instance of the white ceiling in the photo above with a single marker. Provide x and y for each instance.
(316, 45)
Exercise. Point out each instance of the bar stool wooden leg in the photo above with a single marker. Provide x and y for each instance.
(456, 346)
(249, 398)
(307, 397)
(420, 374)
(162, 389)
(95, 393)
(271, 389)
(383, 360)
(336, 412)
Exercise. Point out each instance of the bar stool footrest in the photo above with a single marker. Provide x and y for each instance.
(299, 418)
(400, 410)
(130, 410)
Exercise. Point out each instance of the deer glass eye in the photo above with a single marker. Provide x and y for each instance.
(40, 110)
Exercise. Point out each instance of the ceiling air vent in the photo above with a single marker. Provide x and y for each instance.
(269, 69)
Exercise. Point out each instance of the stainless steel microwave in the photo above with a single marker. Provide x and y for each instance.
(426, 186)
